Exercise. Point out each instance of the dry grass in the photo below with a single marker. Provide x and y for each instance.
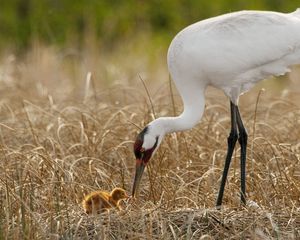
(61, 138)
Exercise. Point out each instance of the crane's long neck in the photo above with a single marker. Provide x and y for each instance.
(194, 102)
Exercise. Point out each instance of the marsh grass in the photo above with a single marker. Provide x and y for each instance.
(62, 137)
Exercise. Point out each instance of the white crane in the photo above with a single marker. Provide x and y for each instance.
(230, 52)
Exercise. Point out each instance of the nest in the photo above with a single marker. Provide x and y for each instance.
(244, 223)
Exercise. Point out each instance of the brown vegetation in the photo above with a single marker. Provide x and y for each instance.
(61, 138)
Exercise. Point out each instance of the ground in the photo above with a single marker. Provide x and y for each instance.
(62, 138)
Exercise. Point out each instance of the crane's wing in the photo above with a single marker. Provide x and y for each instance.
(242, 47)
(236, 50)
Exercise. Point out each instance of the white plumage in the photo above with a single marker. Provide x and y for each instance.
(230, 52)
(234, 51)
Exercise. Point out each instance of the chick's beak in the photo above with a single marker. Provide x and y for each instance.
(139, 169)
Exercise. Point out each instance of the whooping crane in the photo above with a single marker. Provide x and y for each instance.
(231, 52)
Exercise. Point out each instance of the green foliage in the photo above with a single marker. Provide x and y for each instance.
(110, 21)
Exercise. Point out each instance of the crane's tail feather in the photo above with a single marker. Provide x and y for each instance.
(296, 13)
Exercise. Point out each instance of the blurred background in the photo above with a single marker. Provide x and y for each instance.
(74, 23)
(63, 40)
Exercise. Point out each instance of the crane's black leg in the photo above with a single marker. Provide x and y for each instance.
(243, 137)
(233, 136)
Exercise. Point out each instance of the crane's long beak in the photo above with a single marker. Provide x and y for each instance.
(139, 169)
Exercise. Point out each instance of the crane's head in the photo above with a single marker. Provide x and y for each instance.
(145, 146)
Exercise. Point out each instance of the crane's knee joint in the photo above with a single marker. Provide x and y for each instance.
(243, 137)
(233, 137)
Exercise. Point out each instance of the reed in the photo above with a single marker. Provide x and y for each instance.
(59, 142)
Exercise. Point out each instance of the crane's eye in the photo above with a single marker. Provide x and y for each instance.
(139, 143)
(137, 148)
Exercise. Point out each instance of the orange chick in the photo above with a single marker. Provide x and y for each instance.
(101, 201)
